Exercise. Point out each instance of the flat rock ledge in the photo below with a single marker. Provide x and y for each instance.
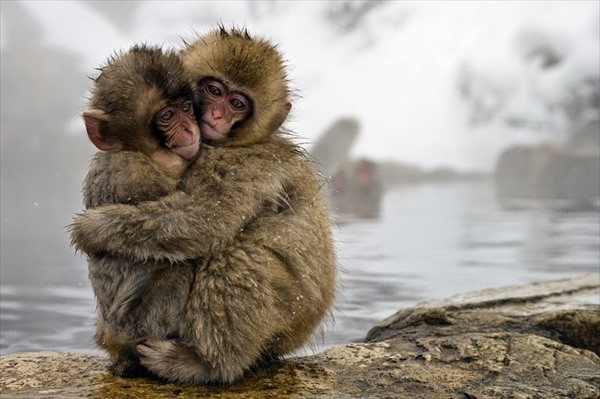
(540, 341)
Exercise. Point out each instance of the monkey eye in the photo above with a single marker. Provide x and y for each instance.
(214, 88)
(166, 115)
(187, 107)
(239, 103)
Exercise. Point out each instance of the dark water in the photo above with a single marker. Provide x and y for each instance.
(432, 241)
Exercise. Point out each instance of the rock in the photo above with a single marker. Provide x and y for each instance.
(532, 341)
(546, 172)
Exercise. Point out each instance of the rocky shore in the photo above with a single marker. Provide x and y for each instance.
(536, 341)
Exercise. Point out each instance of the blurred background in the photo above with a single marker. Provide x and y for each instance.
(460, 141)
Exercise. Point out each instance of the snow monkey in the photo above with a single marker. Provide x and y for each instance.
(142, 103)
(141, 117)
(246, 232)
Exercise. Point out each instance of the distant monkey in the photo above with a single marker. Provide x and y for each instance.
(248, 215)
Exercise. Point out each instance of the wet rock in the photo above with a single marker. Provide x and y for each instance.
(533, 341)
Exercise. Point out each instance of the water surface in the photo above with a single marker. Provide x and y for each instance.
(432, 241)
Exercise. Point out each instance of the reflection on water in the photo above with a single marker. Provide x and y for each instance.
(43, 318)
(438, 240)
(432, 241)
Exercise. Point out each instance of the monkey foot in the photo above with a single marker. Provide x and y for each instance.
(128, 369)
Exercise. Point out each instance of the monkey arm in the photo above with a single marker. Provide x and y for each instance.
(124, 177)
(174, 228)
(225, 191)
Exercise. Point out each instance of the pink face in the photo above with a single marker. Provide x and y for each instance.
(222, 109)
(181, 132)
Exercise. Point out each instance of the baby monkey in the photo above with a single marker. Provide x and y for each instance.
(141, 103)
(142, 119)
(246, 234)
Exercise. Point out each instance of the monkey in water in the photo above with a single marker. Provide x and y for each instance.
(141, 117)
(248, 215)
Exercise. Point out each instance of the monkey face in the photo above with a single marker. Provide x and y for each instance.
(223, 107)
(177, 127)
(249, 67)
(143, 101)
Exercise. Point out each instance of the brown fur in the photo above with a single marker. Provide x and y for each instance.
(126, 96)
(251, 65)
(248, 239)
(135, 298)
(132, 86)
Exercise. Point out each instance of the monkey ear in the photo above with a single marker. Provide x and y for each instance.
(281, 117)
(182, 54)
(97, 124)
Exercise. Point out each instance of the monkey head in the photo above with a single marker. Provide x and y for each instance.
(241, 85)
(143, 100)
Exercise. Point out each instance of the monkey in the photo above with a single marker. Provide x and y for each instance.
(248, 213)
(142, 103)
(141, 118)
(232, 82)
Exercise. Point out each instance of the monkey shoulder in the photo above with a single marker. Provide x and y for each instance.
(257, 162)
(124, 177)
(273, 173)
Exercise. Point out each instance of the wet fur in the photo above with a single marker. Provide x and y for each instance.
(236, 265)
(261, 265)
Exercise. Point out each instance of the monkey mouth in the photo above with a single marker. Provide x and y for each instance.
(187, 151)
(210, 132)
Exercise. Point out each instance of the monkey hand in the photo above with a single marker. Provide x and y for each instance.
(81, 234)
